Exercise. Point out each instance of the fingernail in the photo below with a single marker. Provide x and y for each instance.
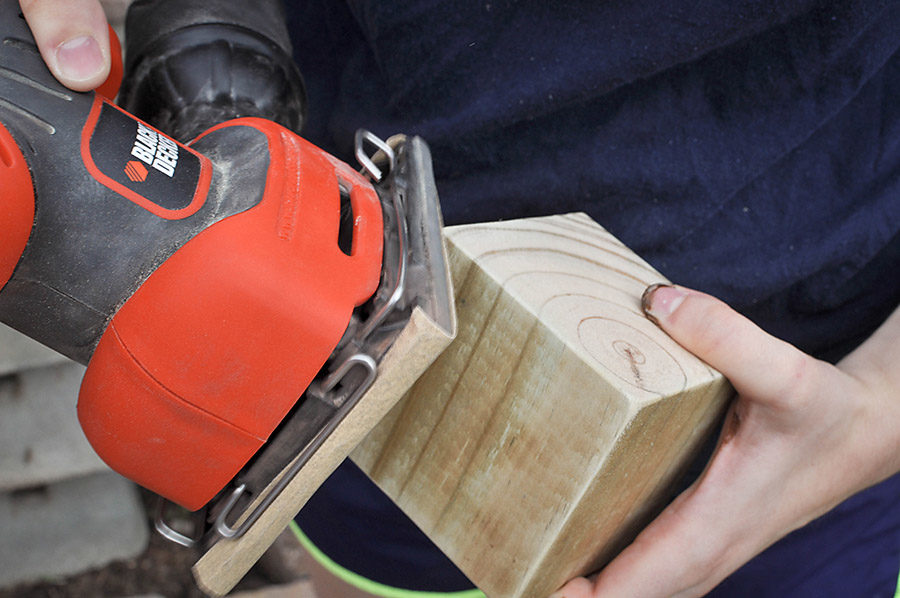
(661, 300)
(79, 58)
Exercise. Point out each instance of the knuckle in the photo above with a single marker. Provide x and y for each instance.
(799, 380)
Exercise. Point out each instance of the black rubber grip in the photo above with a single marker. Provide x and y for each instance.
(195, 63)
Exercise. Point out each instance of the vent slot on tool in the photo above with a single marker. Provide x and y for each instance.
(345, 230)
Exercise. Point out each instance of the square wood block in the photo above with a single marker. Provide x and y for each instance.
(556, 424)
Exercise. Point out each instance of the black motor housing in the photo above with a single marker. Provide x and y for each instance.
(192, 64)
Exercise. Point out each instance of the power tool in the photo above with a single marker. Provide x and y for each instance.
(230, 287)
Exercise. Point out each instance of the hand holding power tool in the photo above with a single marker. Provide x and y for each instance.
(73, 38)
(231, 297)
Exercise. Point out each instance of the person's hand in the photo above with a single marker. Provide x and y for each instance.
(801, 437)
(73, 38)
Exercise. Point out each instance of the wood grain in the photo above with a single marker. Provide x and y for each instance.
(556, 422)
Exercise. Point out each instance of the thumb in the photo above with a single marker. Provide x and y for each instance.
(73, 38)
(758, 365)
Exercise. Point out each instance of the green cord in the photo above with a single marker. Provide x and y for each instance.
(378, 589)
(367, 585)
(897, 591)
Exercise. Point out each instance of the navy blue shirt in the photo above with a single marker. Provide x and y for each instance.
(750, 149)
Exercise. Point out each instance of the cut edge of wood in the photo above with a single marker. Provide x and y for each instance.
(712, 404)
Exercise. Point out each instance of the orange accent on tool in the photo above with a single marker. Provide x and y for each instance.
(136, 171)
(16, 204)
(244, 316)
(110, 87)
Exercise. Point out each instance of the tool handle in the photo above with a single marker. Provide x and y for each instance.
(16, 184)
(113, 198)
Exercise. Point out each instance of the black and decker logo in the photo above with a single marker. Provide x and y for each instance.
(136, 171)
(155, 149)
(160, 172)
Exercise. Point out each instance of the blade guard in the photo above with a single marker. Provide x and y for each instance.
(242, 317)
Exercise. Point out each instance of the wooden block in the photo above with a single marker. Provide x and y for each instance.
(552, 428)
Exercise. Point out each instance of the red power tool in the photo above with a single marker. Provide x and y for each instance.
(227, 313)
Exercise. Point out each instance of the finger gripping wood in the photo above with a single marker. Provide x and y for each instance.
(555, 424)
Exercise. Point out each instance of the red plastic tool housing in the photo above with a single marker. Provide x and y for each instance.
(110, 87)
(16, 204)
(200, 365)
